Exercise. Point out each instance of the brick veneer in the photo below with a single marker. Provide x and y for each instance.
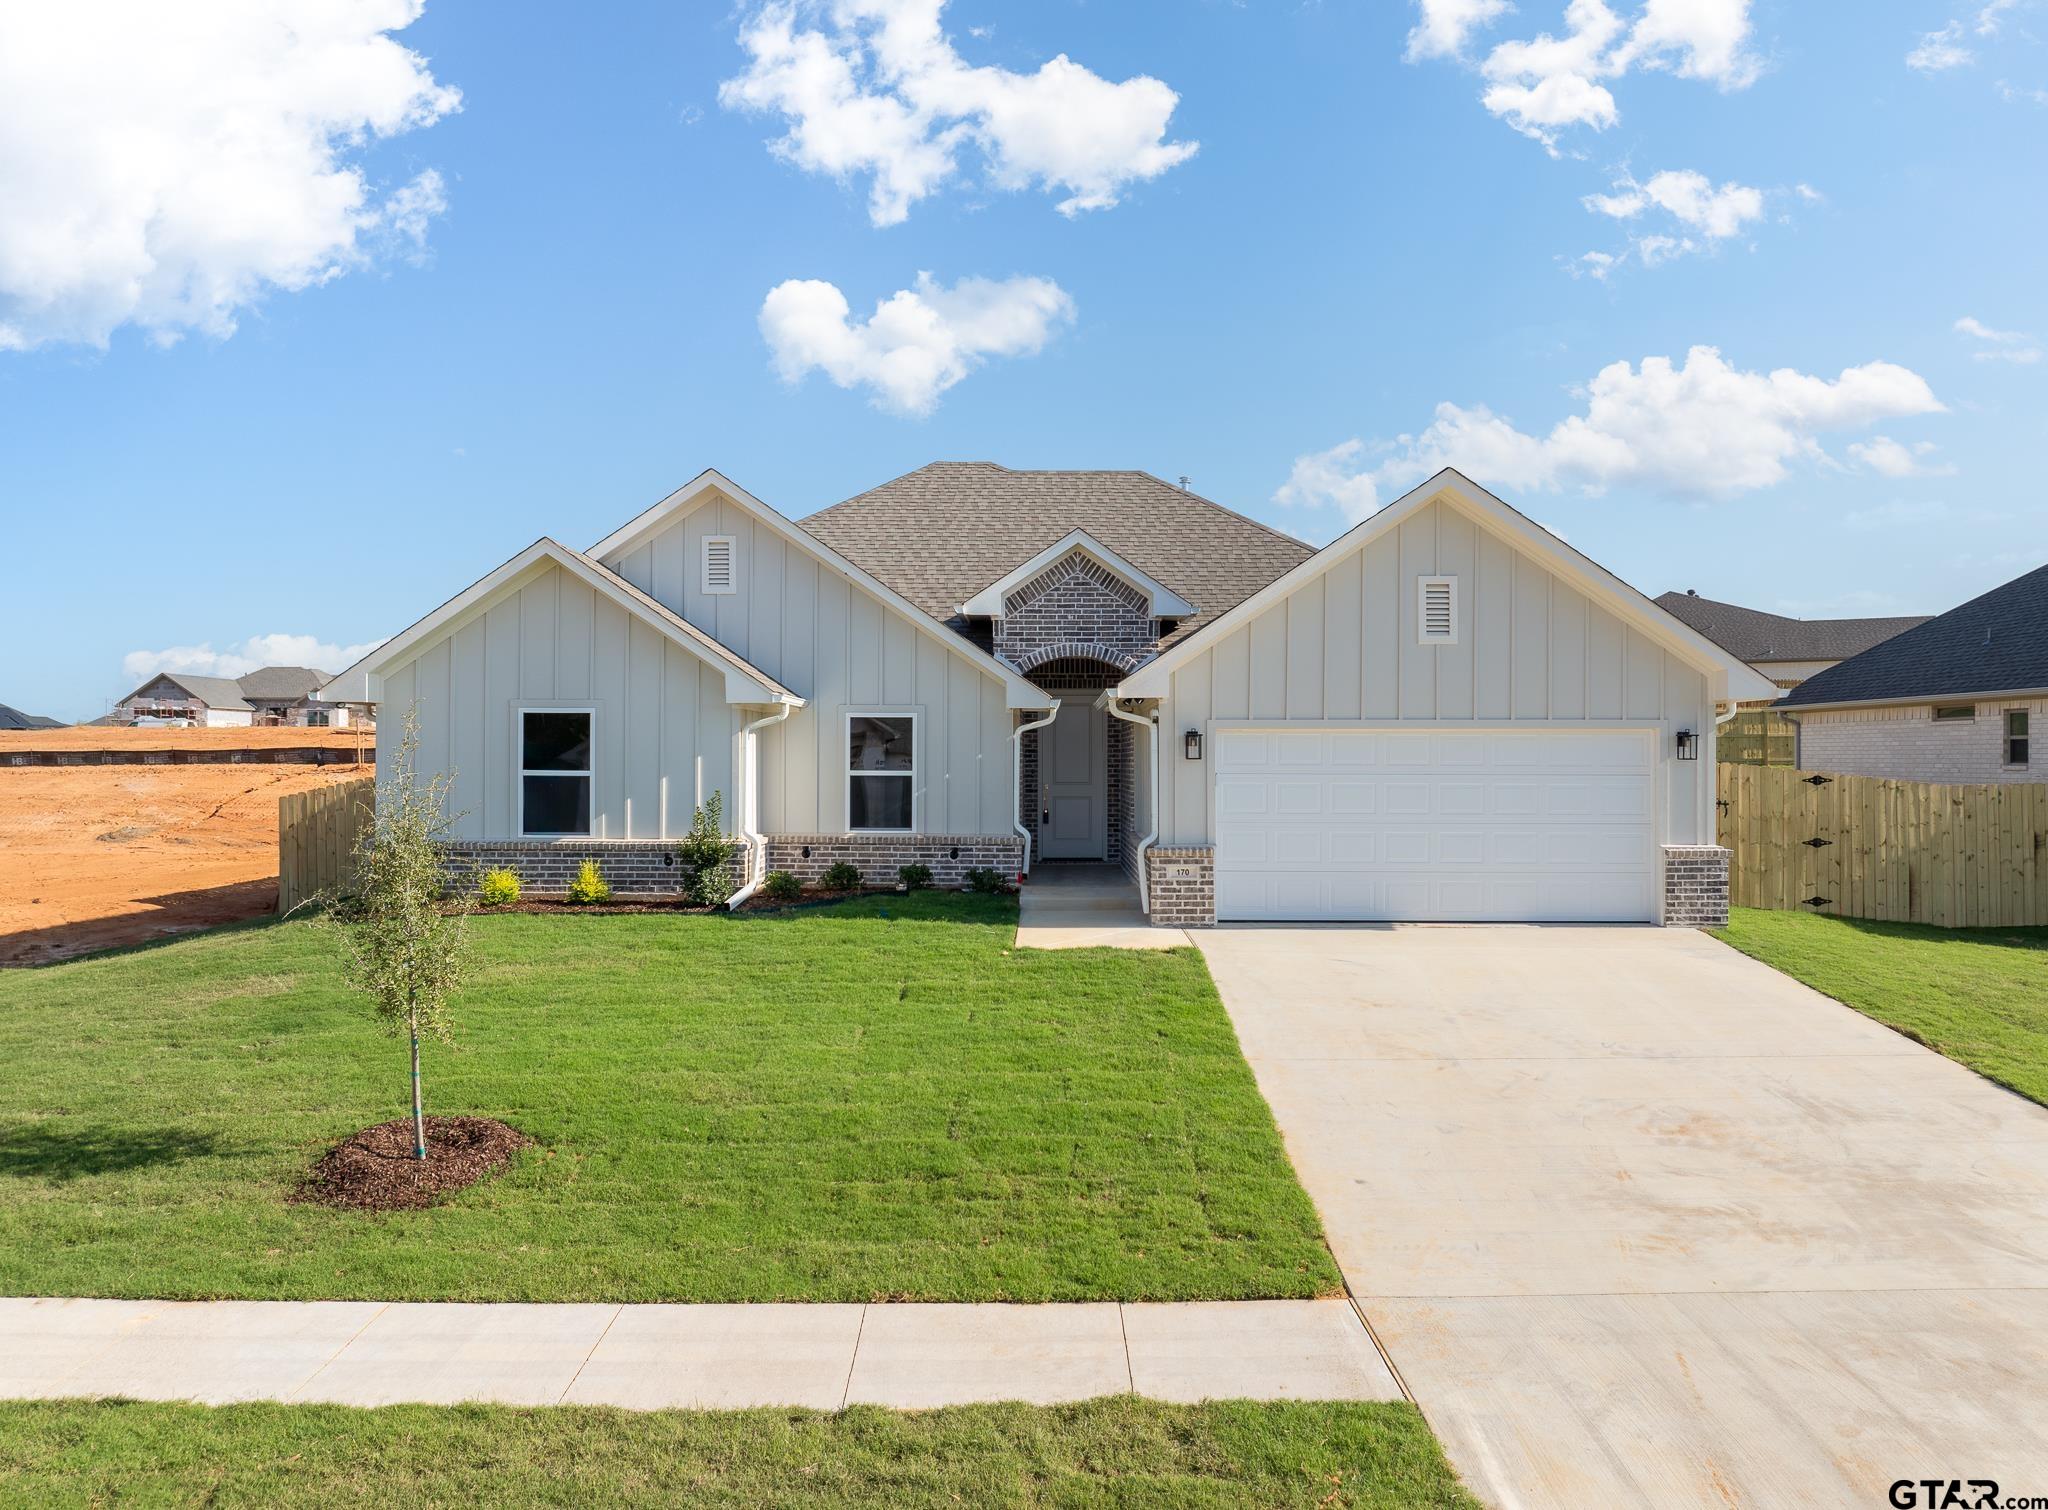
(879, 856)
(1695, 886)
(1908, 744)
(1076, 607)
(640, 867)
(1182, 883)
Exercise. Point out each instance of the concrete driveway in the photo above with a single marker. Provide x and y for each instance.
(1642, 1221)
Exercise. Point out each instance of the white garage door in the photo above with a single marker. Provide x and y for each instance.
(1493, 826)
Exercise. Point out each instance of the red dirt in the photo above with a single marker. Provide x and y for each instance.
(376, 1169)
(95, 857)
(185, 739)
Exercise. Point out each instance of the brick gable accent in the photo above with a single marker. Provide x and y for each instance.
(1077, 608)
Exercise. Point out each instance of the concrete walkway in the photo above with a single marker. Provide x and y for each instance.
(1641, 1221)
(1068, 904)
(712, 1357)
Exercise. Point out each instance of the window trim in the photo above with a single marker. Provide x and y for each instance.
(1952, 713)
(1422, 588)
(732, 561)
(2007, 739)
(911, 711)
(520, 773)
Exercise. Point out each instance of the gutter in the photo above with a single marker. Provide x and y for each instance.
(757, 844)
(1017, 778)
(1151, 724)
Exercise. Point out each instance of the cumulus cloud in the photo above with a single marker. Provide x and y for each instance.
(1941, 50)
(876, 87)
(1700, 428)
(1545, 84)
(1701, 215)
(1891, 458)
(240, 660)
(1999, 345)
(918, 343)
(166, 166)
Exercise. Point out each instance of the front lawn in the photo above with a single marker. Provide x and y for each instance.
(1978, 995)
(1119, 1451)
(879, 1100)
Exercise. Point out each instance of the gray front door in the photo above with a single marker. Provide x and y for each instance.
(1073, 780)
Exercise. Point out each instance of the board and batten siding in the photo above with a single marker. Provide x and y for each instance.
(1343, 648)
(839, 646)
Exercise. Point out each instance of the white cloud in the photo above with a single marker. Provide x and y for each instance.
(878, 88)
(1941, 50)
(1701, 428)
(1891, 458)
(240, 660)
(1999, 345)
(1447, 24)
(1698, 208)
(919, 341)
(1988, 19)
(2014, 95)
(167, 165)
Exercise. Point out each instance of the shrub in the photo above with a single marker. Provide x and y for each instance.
(988, 881)
(915, 877)
(839, 876)
(781, 886)
(590, 887)
(709, 854)
(498, 888)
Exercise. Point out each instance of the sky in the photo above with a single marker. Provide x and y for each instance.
(314, 311)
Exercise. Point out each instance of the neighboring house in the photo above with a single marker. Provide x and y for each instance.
(1448, 713)
(268, 697)
(14, 718)
(1787, 651)
(1955, 700)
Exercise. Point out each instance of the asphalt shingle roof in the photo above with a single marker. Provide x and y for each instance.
(214, 691)
(14, 718)
(1996, 643)
(944, 532)
(1757, 636)
(282, 681)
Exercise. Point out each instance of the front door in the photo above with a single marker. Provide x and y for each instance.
(1073, 783)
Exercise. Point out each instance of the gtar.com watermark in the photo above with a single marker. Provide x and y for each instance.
(1960, 1494)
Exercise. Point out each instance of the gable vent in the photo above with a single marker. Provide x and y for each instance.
(1437, 610)
(719, 574)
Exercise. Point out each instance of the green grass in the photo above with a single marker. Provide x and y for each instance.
(1121, 1452)
(879, 1100)
(1978, 995)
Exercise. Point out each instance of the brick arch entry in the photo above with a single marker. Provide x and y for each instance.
(1112, 661)
(1088, 672)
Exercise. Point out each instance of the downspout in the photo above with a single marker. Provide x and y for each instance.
(1151, 724)
(750, 808)
(1017, 778)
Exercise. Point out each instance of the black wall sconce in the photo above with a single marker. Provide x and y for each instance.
(1193, 744)
(1688, 745)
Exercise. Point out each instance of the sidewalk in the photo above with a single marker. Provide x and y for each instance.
(1068, 904)
(714, 1357)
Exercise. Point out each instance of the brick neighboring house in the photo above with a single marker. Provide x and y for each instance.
(1955, 699)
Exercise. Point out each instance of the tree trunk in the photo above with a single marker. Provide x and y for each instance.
(419, 1121)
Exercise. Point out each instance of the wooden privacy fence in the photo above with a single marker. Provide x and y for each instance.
(1902, 851)
(316, 838)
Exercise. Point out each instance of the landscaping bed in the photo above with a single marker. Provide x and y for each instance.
(379, 1168)
(676, 904)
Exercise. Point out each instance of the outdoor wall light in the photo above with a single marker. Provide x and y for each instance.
(1194, 744)
(1688, 745)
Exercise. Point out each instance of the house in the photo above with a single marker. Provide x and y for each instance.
(14, 718)
(1446, 713)
(1787, 651)
(268, 697)
(1953, 700)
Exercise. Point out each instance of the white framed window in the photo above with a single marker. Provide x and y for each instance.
(557, 772)
(1436, 610)
(881, 770)
(721, 564)
(1955, 713)
(2015, 736)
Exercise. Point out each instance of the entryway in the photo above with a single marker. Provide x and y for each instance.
(1073, 782)
(1074, 905)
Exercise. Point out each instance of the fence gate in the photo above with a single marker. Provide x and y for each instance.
(316, 838)
(1901, 851)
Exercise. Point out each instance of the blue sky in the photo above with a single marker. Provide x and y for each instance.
(549, 302)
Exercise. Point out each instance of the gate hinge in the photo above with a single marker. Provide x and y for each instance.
(1817, 901)
(1816, 780)
(1816, 843)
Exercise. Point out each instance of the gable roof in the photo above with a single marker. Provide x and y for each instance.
(941, 534)
(744, 682)
(1729, 676)
(1161, 601)
(1021, 693)
(214, 691)
(1997, 643)
(282, 681)
(14, 718)
(1758, 636)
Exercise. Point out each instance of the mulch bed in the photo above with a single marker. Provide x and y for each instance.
(620, 906)
(376, 1170)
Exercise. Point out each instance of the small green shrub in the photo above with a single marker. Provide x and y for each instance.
(498, 888)
(781, 886)
(590, 887)
(915, 877)
(988, 881)
(709, 854)
(839, 876)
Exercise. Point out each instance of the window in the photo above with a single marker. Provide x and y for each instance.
(719, 554)
(881, 771)
(1955, 713)
(554, 772)
(1436, 606)
(2015, 736)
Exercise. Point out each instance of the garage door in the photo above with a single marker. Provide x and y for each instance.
(1495, 826)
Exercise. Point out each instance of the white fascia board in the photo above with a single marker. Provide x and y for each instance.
(1018, 691)
(1165, 602)
(1729, 678)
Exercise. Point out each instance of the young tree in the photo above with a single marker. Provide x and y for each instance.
(402, 946)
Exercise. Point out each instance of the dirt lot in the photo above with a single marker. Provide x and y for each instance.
(96, 856)
(182, 739)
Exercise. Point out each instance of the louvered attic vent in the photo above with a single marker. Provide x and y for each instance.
(1437, 610)
(718, 563)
